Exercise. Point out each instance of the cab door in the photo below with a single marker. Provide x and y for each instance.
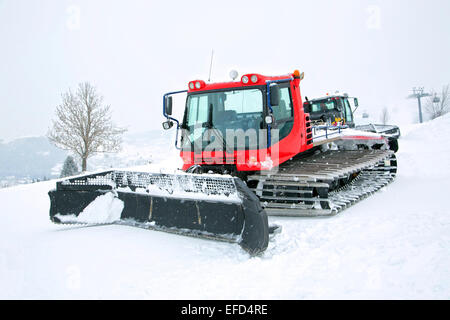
(284, 112)
(348, 114)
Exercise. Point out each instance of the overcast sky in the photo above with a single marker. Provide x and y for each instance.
(135, 51)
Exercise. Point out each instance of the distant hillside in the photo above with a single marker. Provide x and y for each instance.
(36, 157)
(32, 157)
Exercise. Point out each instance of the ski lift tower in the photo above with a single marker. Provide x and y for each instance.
(418, 94)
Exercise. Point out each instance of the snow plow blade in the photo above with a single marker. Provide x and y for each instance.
(205, 206)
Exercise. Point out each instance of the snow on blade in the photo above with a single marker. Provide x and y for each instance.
(183, 186)
(106, 208)
(181, 194)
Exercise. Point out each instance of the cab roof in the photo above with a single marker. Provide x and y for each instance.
(330, 97)
(247, 80)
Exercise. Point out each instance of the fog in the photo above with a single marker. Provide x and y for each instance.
(135, 51)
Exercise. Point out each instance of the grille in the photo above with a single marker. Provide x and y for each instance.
(212, 185)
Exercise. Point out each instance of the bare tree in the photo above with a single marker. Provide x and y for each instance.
(384, 118)
(437, 106)
(83, 124)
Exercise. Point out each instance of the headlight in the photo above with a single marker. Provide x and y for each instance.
(198, 85)
(245, 79)
(254, 79)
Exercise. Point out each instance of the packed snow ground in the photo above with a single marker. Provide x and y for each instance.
(393, 245)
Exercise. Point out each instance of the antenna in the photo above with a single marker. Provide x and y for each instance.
(210, 66)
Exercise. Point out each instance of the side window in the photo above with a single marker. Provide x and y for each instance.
(315, 107)
(283, 113)
(198, 109)
(348, 112)
(284, 110)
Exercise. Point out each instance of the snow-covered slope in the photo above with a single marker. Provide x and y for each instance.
(393, 245)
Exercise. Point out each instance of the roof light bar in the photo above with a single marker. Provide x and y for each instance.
(196, 84)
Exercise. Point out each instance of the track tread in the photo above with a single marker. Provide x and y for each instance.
(374, 169)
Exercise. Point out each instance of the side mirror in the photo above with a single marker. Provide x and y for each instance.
(274, 95)
(307, 107)
(168, 108)
(356, 102)
(167, 125)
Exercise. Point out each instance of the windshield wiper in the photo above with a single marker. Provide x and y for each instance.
(216, 132)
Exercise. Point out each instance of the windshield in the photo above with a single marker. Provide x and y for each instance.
(322, 106)
(224, 110)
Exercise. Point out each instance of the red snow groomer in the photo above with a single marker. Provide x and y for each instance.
(256, 129)
(249, 151)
